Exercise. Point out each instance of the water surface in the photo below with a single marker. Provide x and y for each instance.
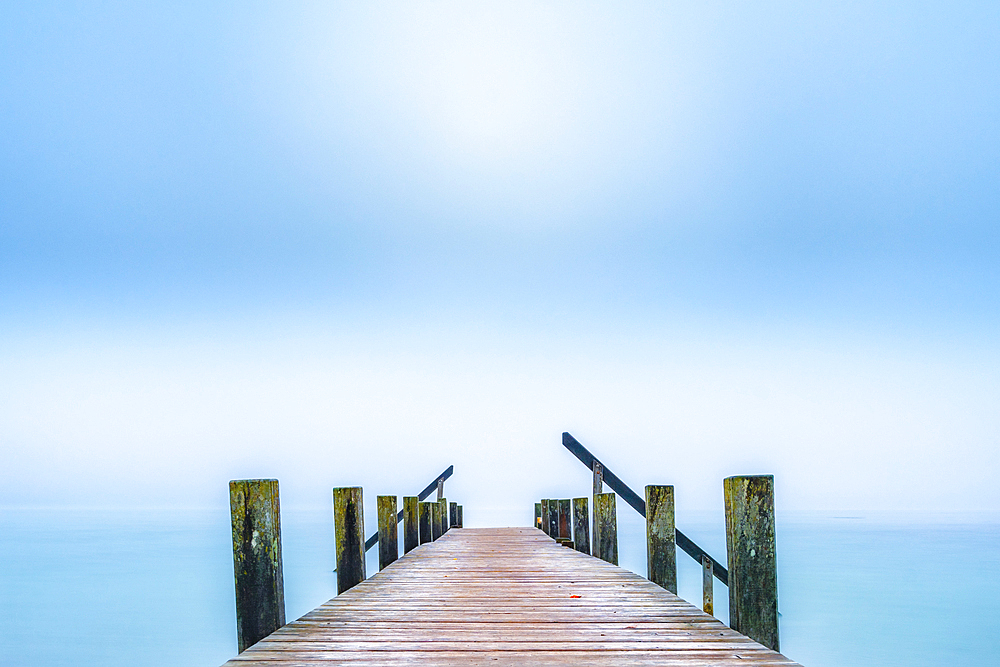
(154, 587)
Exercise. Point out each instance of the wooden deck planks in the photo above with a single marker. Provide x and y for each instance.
(505, 596)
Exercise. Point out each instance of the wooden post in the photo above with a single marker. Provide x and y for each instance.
(388, 535)
(411, 523)
(598, 488)
(565, 525)
(553, 519)
(545, 516)
(753, 571)
(707, 584)
(444, 515)
(607, 530)
(581, 525)
(440, 489)
(661, 547)
(538, 516)
(426, 523)
(460, 522)
(349, 532)
(453, 514)
(260, 590)
(436, 522)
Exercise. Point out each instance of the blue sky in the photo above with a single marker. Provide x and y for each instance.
(277, 238)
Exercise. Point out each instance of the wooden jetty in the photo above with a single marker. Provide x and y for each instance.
(505, 596)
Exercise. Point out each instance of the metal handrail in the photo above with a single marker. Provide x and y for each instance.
(639, 505)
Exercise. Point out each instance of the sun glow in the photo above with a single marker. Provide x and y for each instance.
(536, 115)
(480, 83)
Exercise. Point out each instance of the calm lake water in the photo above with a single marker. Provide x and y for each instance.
(155, 588)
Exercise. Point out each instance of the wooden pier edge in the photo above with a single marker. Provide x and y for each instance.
(506, 596)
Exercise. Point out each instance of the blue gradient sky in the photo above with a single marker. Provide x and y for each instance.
(292, 239)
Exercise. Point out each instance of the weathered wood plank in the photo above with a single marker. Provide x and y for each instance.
(506, 597)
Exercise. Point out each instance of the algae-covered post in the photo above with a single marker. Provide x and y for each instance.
(554, 518)
(411, 528)
(349, 532)
(753, 572)
(461, 522)
(565, 521)
(388, 535)
(581, 525)
(453, 515)
(437, 522)
(661, 546)
(444, 515)
(598, 488)
(538, 515)
(260, 593)
(606, 527)
(426, 523)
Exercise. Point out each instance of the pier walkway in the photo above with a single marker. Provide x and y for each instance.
(505, 596)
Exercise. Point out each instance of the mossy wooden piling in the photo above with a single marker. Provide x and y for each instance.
(437, 521)
(445, 525)
(538, 515)
(453, 515)
(260, 592)
(426, 523)
(411, 523)
(581, 525)
(661, 547)
(388, 535)
(565, 518)
(607, 521)
(753, 573)
(461, 518)
(349, 534)
(598, 471)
